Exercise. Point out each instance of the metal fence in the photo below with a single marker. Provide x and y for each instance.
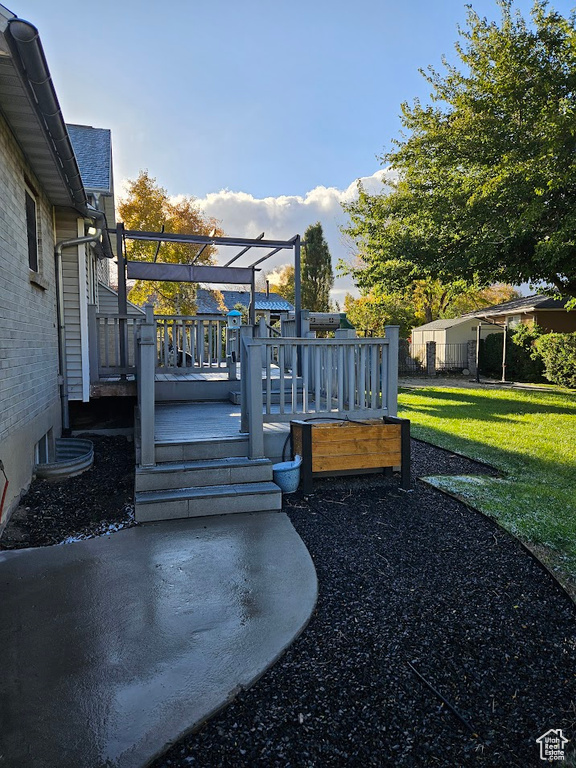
(430, 358)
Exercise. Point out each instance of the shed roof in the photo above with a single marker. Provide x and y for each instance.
(442, 325)
(206, 303)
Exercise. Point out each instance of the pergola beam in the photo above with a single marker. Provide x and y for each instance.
(242, 252)
(189, 273)
(240, 242)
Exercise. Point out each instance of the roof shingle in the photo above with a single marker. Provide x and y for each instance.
(93, 150)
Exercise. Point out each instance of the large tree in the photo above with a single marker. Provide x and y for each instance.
(317, 272)
(148, 207)
(486, 185)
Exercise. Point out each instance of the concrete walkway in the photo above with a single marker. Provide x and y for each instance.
(113, 648)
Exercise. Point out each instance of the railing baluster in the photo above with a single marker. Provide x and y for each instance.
(384, 373)
(340, 391)
(318, 379)
(329, 378)
(218, 343)
(210, 343)
(373, 370)
(268, 374)
(281, 349)
(305, 377)
(294, 405)
(117, 327)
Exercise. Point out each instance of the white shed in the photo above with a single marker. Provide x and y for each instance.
(451, 337)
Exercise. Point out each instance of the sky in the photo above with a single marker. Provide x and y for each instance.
(266, 111)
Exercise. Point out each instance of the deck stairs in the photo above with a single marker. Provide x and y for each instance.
(204, 476)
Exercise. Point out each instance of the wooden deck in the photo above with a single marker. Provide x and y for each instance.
(190, 422)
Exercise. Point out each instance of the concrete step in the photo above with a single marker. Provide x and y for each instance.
(188, 474)
(209, 500)
(199, 450)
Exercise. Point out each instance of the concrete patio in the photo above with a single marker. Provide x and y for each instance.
(113, 648)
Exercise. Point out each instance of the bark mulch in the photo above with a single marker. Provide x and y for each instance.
(437, 639)
(411, 586)
(96, 502)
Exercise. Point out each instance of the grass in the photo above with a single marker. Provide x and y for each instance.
(530, 437)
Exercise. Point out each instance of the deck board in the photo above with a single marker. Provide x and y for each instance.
(188, 422)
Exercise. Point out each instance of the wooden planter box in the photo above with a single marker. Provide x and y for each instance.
(345, 447)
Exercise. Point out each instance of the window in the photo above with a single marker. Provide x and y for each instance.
(32, 230)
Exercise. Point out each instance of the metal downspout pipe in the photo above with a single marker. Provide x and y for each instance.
(58, 248)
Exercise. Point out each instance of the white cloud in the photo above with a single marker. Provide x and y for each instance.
(244, 215)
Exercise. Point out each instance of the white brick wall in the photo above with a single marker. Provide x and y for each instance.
(29, 395)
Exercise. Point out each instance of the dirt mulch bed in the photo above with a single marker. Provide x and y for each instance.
(408, 583)
(98, 501)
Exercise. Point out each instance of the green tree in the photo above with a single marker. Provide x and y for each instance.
(371, 313)
(148, 207)
(317, 272)
(486, 173)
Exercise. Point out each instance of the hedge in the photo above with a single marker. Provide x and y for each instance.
(521, 364)
(558, 352)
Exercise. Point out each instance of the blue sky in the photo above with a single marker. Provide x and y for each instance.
(271, 101)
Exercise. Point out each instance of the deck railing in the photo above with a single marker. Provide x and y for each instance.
(283, 379)
(189, 343)
(113, 345)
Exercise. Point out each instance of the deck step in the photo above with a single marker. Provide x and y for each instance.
(187, 474)
(207, 500)
(199, 450)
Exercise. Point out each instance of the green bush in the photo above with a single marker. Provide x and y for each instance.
(522, 364)
(558, 353)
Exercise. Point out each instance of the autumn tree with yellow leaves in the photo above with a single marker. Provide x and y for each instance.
(148, 207)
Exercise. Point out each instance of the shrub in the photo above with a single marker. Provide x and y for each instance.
(558, 353)
(522, 362)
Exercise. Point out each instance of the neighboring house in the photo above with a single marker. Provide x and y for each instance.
(49, 269)
(549, 314)
(268, 305)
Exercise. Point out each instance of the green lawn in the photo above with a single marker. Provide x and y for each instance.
(530, 436)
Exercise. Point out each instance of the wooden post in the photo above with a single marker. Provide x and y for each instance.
(122, 303)
(254, 394)
(145, 374)
(393, 337)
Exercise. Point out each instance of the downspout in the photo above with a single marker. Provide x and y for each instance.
(59, 247)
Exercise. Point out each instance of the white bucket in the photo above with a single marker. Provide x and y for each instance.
(287, 475)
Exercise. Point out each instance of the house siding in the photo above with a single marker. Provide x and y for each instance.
(108, 303)
(77, 292)
(29, 392)
(559, 321)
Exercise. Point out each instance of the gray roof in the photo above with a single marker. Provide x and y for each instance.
(93, 150)
(441, 325)
(525, 304)
(51, 160)
(206, 303)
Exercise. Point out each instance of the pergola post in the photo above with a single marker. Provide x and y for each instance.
(122, 304)
(297, 287)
